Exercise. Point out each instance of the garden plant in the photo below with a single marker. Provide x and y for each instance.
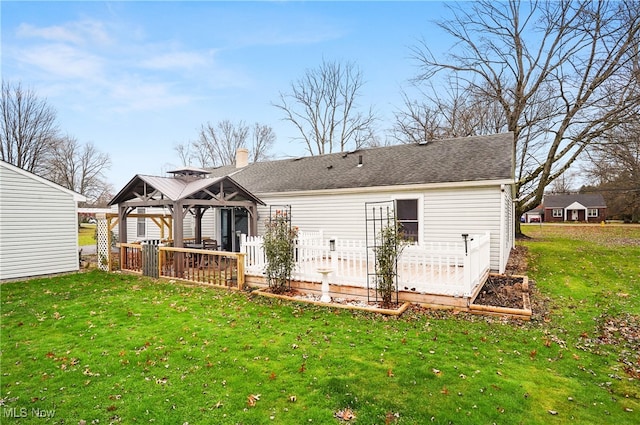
(391, 243)
(279, 250)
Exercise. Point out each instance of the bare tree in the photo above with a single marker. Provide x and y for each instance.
(417, 122)
(79, 168)
(262, 139)
(559, 71)
(29, 128)
(322, 105)
(565, 183)
(217, 143)
(458, 112)
(615, 168)
(184, 152)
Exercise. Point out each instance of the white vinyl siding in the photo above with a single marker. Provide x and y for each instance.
(152, 230)
(446, 213)
(39, 227)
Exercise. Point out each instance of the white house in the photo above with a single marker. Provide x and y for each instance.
(445, 188)
(38, 225)
(445, 194)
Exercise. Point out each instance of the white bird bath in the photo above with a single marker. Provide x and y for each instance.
(325, 298)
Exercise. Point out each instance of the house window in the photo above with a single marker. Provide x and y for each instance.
(407, 216)
(593, 212)
(141, 231)
(557, 212)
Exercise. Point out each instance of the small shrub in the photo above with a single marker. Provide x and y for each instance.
(391, 244)
(279, 242)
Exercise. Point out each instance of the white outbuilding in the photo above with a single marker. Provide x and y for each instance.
(38, 225)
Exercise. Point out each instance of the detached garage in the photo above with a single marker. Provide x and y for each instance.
(38, 225)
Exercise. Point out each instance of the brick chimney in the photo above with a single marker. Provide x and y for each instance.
(242, 157)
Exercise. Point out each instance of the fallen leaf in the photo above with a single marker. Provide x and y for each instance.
(391, 417)
(251, 400)
(345, 414)
(389, 373)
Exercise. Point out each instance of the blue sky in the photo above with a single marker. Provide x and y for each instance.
(138, 78)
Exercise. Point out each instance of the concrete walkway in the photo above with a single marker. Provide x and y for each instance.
(88, 249)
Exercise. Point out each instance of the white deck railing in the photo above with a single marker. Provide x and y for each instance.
(442, 268)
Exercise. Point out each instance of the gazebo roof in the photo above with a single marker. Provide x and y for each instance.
(156, 191)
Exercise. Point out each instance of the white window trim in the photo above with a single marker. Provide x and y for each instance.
(139, 221)
(557, 213)
(420, 199)
(594, 210)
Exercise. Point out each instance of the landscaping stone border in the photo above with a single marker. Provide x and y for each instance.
(385, 311)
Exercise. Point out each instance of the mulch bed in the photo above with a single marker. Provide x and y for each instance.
(502, 291)
(507, 290)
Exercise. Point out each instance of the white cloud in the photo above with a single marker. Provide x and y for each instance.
(79, 33)
(58, 60)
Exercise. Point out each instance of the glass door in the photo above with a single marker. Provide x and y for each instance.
(233, 222)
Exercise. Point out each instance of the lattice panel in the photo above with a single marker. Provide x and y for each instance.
(104, 244)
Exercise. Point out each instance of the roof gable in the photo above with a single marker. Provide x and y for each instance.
(468, 159)
(176, 189)
(576, 206)
(76, 196)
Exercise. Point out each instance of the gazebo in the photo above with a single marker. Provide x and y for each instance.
(187, 191)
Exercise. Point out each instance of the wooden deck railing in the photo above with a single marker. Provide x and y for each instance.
(131, 257)
(442, 268)
(219, 268)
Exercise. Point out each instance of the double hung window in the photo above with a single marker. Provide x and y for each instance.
(408, 219)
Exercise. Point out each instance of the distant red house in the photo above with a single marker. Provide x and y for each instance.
(574, 207)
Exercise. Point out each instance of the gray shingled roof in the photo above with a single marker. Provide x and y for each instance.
(449, 160)
(590, 200)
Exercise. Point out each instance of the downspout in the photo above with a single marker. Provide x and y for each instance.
(501, 265)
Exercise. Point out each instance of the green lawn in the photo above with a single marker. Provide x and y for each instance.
(87, 234)
(108, 348)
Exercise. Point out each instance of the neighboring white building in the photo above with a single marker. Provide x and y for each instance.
(38, 225)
